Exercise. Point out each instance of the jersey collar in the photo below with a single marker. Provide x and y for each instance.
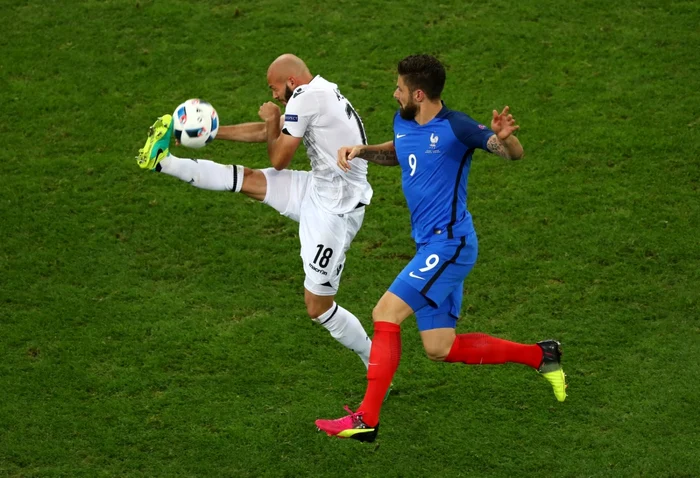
(443, 112)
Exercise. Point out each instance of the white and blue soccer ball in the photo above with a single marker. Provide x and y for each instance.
(195, 123)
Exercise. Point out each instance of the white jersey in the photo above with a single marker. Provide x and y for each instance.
(327, 121)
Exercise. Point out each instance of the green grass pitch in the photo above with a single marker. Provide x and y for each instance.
(151, 329)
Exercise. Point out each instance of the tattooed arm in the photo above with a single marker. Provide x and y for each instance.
(382, 154)
(382, 158)
(509, 148)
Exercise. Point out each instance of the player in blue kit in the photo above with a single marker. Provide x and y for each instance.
(434, 147)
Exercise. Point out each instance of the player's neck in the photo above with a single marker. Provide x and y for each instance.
(304, 79)
(428, 111)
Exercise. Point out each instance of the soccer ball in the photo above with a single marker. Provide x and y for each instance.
(195, 123)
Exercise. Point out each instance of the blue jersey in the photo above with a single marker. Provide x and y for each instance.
(435, 159)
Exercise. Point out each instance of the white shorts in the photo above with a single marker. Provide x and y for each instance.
(324, 237)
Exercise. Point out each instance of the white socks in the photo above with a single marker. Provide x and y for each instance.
(347, 329)
(204, 174)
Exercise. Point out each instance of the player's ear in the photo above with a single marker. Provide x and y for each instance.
(418, 95)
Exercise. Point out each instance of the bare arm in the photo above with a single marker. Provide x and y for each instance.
(509, 148)
(381, 157)
(382, 154)
(280, 146)
(245, 132)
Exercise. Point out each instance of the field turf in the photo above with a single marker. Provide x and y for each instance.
(151, 329)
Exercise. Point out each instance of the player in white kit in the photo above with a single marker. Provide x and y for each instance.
(329, 204)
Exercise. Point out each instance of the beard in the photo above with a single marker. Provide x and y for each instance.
(409, 111)
(287, 93)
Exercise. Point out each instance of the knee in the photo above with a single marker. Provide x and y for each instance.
(437, 350)
(380, 313)
(436, 353)
(314, 311)
(384, 312)
(316, 308)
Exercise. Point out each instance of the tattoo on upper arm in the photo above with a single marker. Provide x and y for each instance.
(382, 158)
(496, 146)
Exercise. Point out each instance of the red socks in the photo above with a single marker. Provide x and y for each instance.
(384, 359)
(475, 349)
(472, 349)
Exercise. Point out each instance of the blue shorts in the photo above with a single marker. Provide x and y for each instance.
(432, 283)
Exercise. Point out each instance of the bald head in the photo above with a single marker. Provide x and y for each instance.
(285, 74)
(288, 65)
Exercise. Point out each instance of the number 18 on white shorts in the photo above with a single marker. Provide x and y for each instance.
(325, 237)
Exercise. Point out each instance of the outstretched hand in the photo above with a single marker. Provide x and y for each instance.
(503, 123)
(345, 154)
